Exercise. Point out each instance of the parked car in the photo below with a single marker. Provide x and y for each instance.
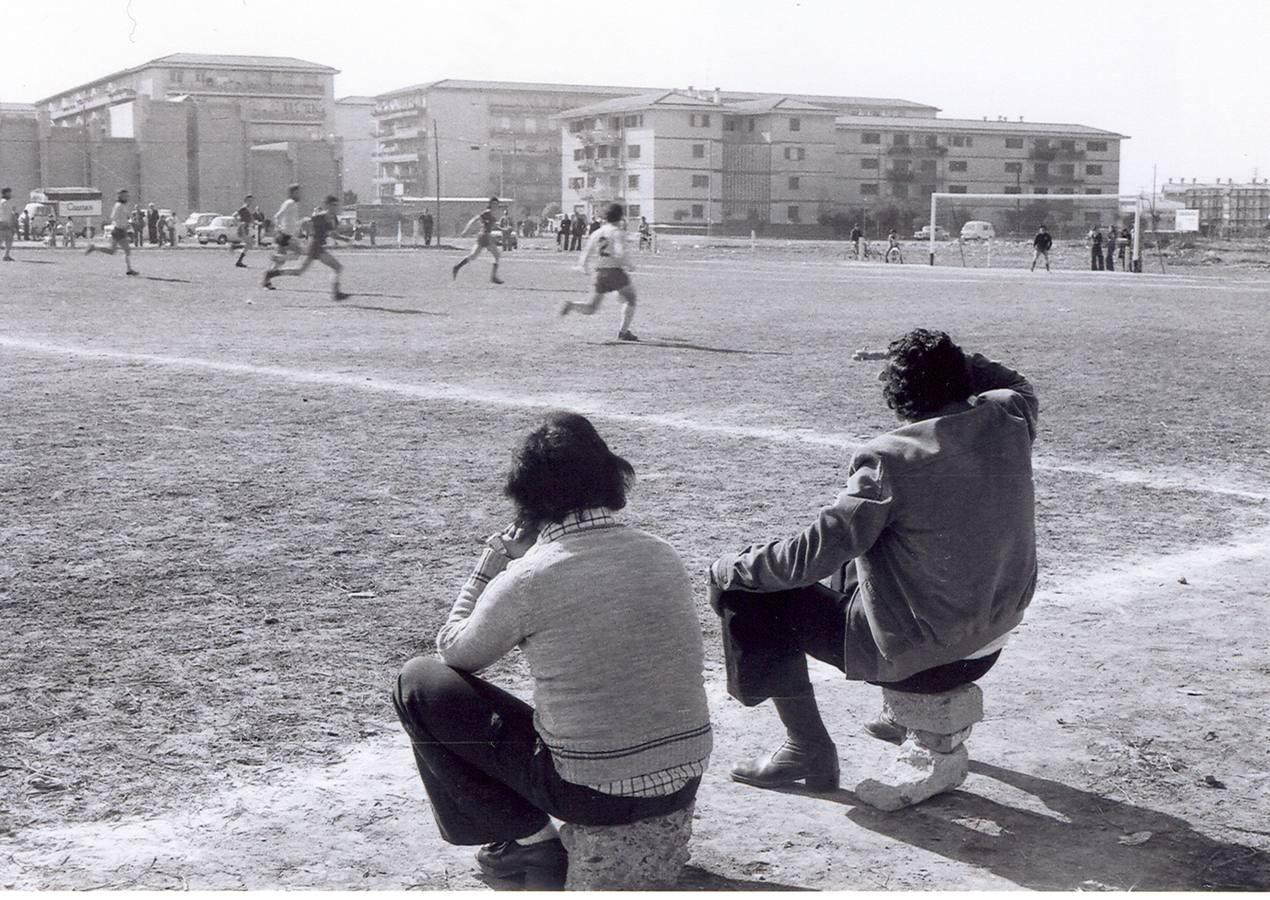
(978, 231)
(348, 226)
(197, 220)
(505, 240)
(923, 233)
(221, 230)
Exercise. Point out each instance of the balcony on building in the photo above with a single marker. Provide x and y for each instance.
(900, 176)
(899, 150)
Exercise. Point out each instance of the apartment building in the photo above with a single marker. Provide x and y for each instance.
(1225, 209)
(481, 138)
(355, 131)
(900, 162)
(675, 157)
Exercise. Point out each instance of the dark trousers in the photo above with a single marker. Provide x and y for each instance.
(1111, 257)
(768, 637)
(427, 236)
(1095, 258)
(488, 774)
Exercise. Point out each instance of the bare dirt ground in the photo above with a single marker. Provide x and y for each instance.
(231, 515)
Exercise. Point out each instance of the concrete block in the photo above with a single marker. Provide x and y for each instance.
(945, 713)
(916, 775)
(645, 855)
(940, 743)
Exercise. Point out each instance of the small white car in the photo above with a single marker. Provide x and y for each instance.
(923, 233)
(978, 231)
(197, 220)
(221, 230)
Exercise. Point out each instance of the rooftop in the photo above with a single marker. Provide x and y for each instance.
(459, 84)
(874, 123)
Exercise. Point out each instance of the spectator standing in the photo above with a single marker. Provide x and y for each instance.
(372, 229)
(426, 221)
(68, 235)
(562, 234)
(578, 231)
(8, 222)
(24, 225)
(1095, 251)
(152, 223)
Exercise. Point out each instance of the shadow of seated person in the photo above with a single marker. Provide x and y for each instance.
(1080, 840)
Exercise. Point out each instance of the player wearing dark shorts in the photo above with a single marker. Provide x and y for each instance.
(322, 225)
(245, 219)
(484, 240)
(118, 234)
(607, 246)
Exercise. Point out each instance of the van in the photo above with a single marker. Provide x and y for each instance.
(978, 231)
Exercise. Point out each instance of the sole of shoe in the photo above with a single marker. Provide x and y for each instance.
(817, 784)
(883, 731)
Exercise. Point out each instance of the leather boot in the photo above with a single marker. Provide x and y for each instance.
(817, 767)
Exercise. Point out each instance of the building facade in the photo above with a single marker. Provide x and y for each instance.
(355, 131)
(1225, 209)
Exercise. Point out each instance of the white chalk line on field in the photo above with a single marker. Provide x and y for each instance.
(590, 406)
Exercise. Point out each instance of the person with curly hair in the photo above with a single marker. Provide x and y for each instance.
(619, 729)
(930, 555)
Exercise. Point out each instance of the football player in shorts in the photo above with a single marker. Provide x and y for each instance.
(286, 230)
(118, 234)
(484, 240)
(607, 246)
(322, 225)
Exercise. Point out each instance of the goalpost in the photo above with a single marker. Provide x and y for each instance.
(1136, 264)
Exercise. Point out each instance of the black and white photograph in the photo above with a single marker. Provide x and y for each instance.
(726, 446)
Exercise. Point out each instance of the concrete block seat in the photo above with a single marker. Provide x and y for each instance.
(646, 855)
(933, 758)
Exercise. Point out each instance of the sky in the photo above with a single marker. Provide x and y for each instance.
(1186, 81)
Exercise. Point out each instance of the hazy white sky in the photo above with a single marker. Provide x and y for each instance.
(1186, 80)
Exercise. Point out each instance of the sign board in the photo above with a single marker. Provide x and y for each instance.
(79, 207)
(1186, 220)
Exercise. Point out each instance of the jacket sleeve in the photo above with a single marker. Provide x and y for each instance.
(987, 375)
(841, 532)
(480, 632)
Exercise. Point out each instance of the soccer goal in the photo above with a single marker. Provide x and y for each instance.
(984, 226)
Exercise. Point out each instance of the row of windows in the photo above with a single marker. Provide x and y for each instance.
(606, 151)
(966, 140)
(872, 189)
(960, 165)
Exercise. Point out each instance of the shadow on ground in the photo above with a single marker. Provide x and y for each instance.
(1079, 844)
(672, 344)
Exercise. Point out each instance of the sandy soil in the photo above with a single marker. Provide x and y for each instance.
(234, 514)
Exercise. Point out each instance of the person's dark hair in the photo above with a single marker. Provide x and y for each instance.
(493, 200)
(614, 212)
(564, 467)
(926, 372)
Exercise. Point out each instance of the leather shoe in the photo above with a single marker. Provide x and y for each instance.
(884, 728)
(545, 861)
(816, 767)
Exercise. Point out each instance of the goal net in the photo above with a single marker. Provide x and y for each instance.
(997, 230)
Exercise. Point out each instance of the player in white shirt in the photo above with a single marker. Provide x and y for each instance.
(8, 222)
(118, 234)
(286, 229)
(607, 246)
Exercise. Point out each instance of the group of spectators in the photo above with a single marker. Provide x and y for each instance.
(1103, 250)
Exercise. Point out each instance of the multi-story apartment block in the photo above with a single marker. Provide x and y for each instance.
(355, 128)
(678, 157)
(481, 137)
(901, 162)
(1227, 209)
(283, 99)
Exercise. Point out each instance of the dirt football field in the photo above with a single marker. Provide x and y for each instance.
(230, 515)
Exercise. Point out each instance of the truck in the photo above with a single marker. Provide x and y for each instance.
(83, 203)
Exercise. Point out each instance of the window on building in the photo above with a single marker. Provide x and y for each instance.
(699, 120)
(701, 181)
(795, 124)
(1093, 170)
(869, 162)
(956, 188)
(590, 181)
(632, 151)
(504, 123)
(729, 123)
(577, 154)
(868, 190)
(899, 140)
(749, 125)
(698, 211)
(575, 184)
(633, 211)
(795, 153)
(1067, 170)
(900, 165)
(1094, 191)
(957, 165)
(793, 214)
(1040, 190)
(928, 166)
(1066, 190)
(1041, 170)
(1012, 189)
(1067, 145)
(635, 121)
(1014, 167)
(870, 137)
(632, 181)
(577, 126)
(1096, 146)
(962, 140)
(602, 151)
(932, 141)
(900, 191)
(1014, 143)
(698, 151)
(793, 182)
(615, 123)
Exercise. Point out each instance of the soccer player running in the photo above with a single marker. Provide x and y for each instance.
(245, 221)
(1041, 247)
(607, 245)
(484, 240)
(286, 223)
(322, 225)
(118, 234)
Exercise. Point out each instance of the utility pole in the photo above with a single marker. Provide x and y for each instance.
(436, 165)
